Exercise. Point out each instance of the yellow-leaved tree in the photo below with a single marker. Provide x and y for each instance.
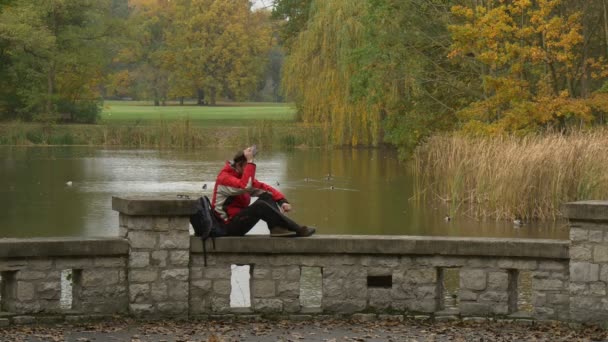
(534, 65)
(217, 47)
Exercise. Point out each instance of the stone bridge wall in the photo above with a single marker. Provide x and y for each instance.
(155, 269)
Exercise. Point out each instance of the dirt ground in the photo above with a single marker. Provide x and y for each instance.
(327, 330)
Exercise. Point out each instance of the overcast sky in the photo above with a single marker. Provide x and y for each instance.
(261, 3)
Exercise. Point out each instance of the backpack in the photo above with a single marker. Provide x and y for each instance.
(205, 223)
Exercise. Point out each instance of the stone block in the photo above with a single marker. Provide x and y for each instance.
(220, 304)
(604, 273)
(142, 239)
(491, 296)
(345, 306)
(421, 276)
(293, 273)
(498, 281)
(261, 272)
(48, 290)
(110, 262)
(173, 308)
(600, 254)
(139, 259)
(179, 274)
(123, 232)
(547, 284)
(333, 288)
(217, 272)
(475, 309)
(202, 285)
(161, 223)
(222, 287)
(423, 305)
(142, 276)
(426, 292)
(24, 320)
(141, 310)
(596, 235)
(518, 264)
(100, 277)
(13, 265)
(583, 272)
(551, 265)
(384, 262)
(139, 293)
(578, 288)
(25, 291)
(467, 295)
(174, 240)
(580, 253)
(267, 305)
(39, 264)
(30, 275)
(178, 291)
(263, 289)
(159, 258)
(558, 298)
(4, 322)
(179, 258)
(579, 234)
(73, 263)
(290, 289)
(180, 223)
(481, 262)
(597, 289)
(158, 292)
(472, 279)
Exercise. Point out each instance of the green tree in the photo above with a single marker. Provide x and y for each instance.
(55, 54)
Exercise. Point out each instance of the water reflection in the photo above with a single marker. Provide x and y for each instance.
(341, 192)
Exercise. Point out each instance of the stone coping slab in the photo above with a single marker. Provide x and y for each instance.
(586, 210)
(158, 205)
(380, 244)
(63, 246)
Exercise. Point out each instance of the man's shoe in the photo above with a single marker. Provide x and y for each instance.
(281, 232)
(305, 231)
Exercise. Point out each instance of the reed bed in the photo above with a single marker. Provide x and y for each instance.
(512, 177)
(181, 134)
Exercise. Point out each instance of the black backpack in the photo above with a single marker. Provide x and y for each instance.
(205, 223)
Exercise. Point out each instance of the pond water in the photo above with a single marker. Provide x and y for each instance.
(66, 191)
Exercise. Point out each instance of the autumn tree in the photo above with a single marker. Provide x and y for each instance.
(534, 65)
(218, 48)
(140, 70)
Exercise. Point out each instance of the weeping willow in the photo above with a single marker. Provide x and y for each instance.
(318, 74)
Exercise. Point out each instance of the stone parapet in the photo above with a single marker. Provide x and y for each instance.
(396, 245)
(588, 260)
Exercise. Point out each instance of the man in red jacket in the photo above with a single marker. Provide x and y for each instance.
(232, 193)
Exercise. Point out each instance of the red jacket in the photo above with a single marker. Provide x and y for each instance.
(232, 192)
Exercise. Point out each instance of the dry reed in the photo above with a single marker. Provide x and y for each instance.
(513, 177)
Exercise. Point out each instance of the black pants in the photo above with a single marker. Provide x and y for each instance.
(265, 209)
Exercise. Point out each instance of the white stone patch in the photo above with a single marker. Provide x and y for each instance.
(240, 294)
(311, 285)
(65, 301)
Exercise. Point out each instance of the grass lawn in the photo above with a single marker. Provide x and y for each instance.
(223, 114)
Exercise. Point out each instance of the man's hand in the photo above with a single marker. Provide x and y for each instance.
(286, 207)
(248, 153)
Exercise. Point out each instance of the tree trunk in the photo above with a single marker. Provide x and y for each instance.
(212, 97)
(201, 97)
(50, 88)
(181, 101)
